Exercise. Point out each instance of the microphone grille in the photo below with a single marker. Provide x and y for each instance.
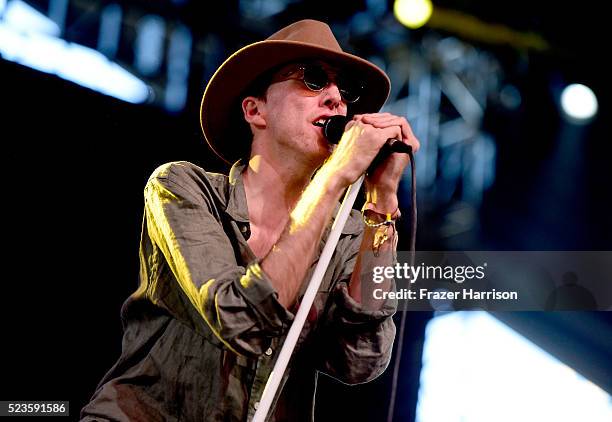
(334, 128)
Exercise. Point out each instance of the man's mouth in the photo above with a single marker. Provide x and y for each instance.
(320, 122)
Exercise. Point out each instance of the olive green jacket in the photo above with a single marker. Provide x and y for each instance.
(203, 330)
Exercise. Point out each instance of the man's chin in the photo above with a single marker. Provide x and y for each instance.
(317, 159)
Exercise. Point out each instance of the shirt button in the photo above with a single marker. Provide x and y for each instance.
(244, 229)
(269, 351)
(256, 405)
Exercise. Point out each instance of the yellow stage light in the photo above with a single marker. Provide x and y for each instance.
(413, 13)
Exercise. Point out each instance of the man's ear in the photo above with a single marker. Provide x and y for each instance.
(253, 113)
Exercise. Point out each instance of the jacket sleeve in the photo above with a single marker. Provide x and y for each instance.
(238, 304)
(356, 343)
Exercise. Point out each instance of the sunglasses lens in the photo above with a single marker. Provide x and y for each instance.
(350, 89)
(315, 78)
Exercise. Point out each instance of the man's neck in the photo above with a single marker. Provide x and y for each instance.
(273, 187)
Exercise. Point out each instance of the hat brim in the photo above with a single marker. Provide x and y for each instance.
(242, 68)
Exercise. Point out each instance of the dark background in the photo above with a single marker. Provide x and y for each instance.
(75, 164)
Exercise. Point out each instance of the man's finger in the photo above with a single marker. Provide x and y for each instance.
(391, 120)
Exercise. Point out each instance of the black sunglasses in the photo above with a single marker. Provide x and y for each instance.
(316, 78)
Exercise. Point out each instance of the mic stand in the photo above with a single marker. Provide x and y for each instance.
(300, 318)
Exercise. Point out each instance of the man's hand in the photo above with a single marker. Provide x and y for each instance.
(361, 142)
(382, 184)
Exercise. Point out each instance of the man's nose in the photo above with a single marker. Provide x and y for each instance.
(331, 96)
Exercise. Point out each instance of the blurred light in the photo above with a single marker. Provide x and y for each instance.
(362, 23)
(261, 9)
(26, 37)
(477, 369)
(413, 13)
(92, 69)
(578, 102)
(377, 7)
(150, 44)
(510, 97)
(57, 12)
(179, 55)
(110, 29)
(24, 18)
(2, 6)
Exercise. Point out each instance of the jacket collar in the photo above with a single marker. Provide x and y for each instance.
(236, 201)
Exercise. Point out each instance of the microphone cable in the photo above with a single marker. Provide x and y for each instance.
(333, 129)
(404, 310)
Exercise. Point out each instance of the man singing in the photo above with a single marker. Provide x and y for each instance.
(224, 260)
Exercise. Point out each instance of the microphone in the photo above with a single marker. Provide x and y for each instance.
(333, 129)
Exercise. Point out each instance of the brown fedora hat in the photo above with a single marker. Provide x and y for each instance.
(306, 39)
